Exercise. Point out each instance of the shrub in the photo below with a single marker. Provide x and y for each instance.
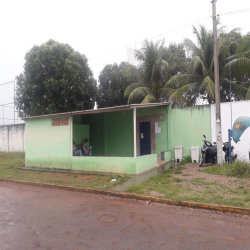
(187, 159)
(237, 169)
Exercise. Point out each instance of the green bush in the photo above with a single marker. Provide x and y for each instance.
(187, 159)
(237, 169)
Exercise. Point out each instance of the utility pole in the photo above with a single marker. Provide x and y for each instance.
(217, 88)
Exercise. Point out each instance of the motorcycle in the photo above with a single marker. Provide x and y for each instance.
(208, 152)
(226, 150)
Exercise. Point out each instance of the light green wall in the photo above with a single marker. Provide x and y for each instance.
(80, 132)
(167, 155)
(46, 143)
(188, 126)
(50, 147)
(162, 142)
(146, 162)
(128, 165)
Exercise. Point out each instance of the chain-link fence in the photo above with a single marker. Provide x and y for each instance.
(8, 114)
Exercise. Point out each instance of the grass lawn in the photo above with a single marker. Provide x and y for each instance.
(188, 183)
(9, 163)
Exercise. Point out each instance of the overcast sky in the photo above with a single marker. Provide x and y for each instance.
(97, 27)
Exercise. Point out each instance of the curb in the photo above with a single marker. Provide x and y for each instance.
(230, 209)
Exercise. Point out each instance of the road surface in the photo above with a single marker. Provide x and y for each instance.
(45, 218)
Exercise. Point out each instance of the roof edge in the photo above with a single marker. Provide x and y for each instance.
(101, 110)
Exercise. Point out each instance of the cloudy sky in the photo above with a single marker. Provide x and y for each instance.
(100, 29)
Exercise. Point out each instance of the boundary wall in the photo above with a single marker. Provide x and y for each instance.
(12, 138)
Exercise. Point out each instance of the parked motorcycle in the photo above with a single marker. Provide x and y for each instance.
(208, 152)
(226, 150)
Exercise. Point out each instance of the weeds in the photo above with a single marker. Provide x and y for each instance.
(187, 159)
(196, 189)
(237, 169)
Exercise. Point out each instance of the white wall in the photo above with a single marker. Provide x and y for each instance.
(12, 138)
(241, 108)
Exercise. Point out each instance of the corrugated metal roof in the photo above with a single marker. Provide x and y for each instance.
(101, 110)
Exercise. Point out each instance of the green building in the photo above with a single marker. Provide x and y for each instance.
(127, 139)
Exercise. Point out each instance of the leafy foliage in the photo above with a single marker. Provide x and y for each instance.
(198, 83)
(113, 80)
(56, 79)
(157, 63)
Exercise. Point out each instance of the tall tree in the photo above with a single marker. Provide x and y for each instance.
(198, 83)
(157, 64)
(151, 74)
(113, 80)
(238, 63)
(56, 79)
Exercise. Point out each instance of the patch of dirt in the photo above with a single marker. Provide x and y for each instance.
(192, 172)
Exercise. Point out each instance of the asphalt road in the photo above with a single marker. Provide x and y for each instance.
(44, 218)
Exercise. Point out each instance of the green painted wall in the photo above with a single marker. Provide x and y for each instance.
(45, 144)
(50, 147)
(167, 155)
(128, 165)
(161, 139)
(146, 162)
(80, 132)
(111, 134)
(118, 133)
(96, 133)
(188, 126)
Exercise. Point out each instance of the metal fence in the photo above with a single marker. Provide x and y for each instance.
(5, 113)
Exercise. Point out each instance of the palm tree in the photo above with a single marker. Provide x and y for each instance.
(151, 74)
(198, 84)
(239, 63)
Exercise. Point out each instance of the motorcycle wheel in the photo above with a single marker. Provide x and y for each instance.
(226, 158)
(234, 158)
(201, 161)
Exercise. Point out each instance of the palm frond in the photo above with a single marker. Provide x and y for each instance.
(167, 92)
(149, 98)
(159, 70)
(138, 94)
(178, 81)
(198, 36)
(191, 47)
(179, 94)
(197, 67)
(238, 90)
(131, 87)
(208, 86)
(239, 67)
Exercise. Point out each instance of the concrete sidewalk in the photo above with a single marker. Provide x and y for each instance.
(44, 218)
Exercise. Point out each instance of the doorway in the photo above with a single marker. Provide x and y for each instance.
(145, 138)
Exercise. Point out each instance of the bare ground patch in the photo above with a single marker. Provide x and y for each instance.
(191, 172)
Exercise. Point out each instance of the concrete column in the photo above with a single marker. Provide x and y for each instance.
(134, 122)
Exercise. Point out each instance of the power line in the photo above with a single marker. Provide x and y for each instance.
(6, 82)
(236, 12)
(110, 52)
(126, 47)
(6, 104)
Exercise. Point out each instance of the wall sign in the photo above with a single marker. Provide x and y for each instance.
(157, 128)
(60, 121)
